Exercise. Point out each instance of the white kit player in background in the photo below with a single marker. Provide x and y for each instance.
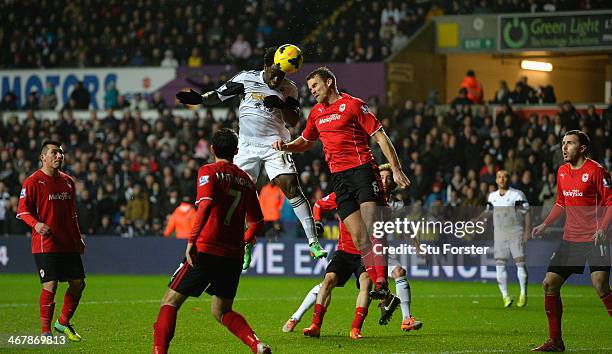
(511, 230)
(268, 101)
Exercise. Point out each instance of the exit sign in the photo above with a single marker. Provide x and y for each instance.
(478, 43)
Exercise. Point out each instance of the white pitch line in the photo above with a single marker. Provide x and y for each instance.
(286, 298)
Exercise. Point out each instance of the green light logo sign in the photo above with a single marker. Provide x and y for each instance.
(515, 33)
(555, 32)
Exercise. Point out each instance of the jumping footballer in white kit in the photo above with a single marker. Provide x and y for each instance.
(267, 101)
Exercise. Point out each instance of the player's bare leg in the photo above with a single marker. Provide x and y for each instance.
(522, 276)
(221, 309)
(71, 302)
(554, 310)
(290, 186)
(601, 281)
(502, 280)
(323, 301)
(163, 328)
(47, 305)
(361, 306)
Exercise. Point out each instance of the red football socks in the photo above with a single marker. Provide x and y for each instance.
(371, 273)
(236, 324)
(317, 315)
(378, 259)
(554, 311)
(367, 259)
(360, 315)
(47, 306)
(607, 301)
(71, 303)
(163, 328)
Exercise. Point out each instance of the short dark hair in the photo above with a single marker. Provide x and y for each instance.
(471, 73)
(225, 143)
(269, 56)
(43, 146)
(324, 73)
(582, 137)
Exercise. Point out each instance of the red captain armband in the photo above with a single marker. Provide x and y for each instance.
(28, 219)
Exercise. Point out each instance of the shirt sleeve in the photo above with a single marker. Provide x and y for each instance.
(311, 133)
(603, 183)
(233, 87)
(522, 204)
(489, 206)
(72, 181)
(365, 118)
(560, 197)
(171, 224)
(253, 209)
(205, 188)
(27, 205)
(328, 203)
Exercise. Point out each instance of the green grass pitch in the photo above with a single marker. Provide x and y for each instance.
(117, 313)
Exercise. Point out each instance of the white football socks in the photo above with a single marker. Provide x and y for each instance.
(307, 303)
(402, 289)
(302, 210)
(521, 274)
(502, 278)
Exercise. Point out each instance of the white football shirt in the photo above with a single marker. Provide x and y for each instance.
(508, 213)
(256, 122)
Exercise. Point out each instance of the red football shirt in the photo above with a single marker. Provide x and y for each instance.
(345, 241)
(51, 200)
(234, 198)
(344, 128)
(584, 193)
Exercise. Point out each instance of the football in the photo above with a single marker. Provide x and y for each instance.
(289, 58)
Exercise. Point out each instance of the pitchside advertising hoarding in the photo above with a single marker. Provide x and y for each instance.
(127, 81)
(557, 32)
(157, 255)
(441, 243)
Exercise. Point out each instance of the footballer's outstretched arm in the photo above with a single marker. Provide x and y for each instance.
(192, 97)
(297, 145)
(388, 150)
(291, 111)
(211, 98)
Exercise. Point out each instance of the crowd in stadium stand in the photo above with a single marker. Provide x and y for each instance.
(51, 34)
(132, 173)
